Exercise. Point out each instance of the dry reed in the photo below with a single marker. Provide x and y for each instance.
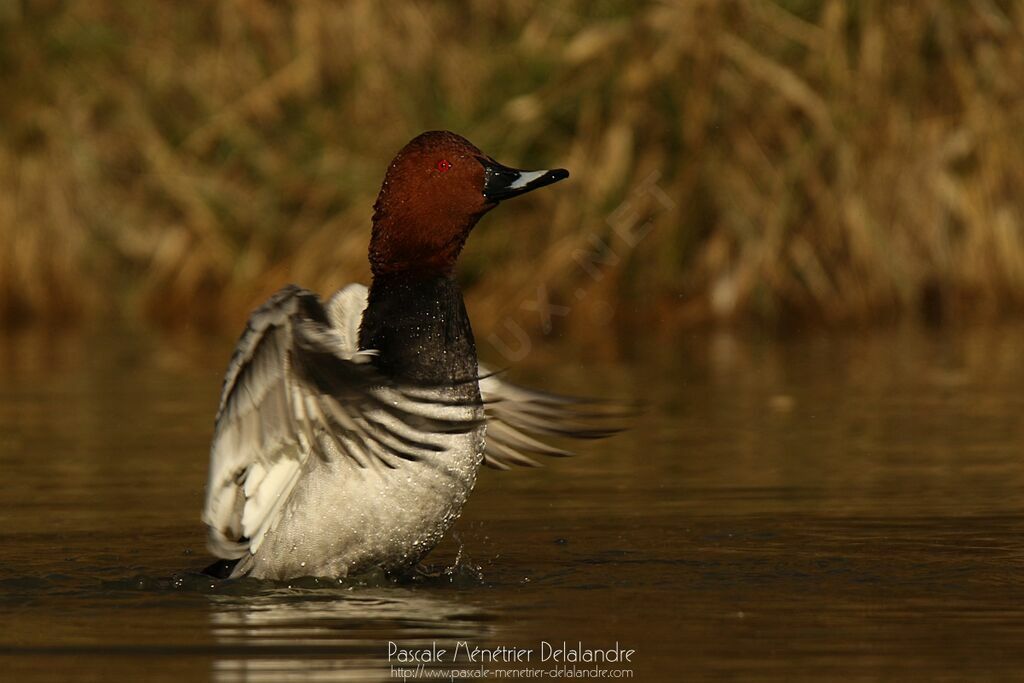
(828, 160)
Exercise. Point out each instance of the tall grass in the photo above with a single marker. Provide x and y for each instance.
(829, 160)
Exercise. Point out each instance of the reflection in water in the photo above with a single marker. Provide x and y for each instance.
(825, 507)
(310, 635)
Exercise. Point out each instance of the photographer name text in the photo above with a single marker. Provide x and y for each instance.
(558, 652)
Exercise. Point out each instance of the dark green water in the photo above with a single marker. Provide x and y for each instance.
(821, 508)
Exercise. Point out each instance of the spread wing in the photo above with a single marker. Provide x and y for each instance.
(298, 387)
(516, 416)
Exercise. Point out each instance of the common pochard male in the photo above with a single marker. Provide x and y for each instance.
(350, 433)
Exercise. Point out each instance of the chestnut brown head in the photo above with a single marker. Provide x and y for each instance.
(434, 192)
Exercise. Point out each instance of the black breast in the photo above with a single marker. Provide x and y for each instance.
(419, 326)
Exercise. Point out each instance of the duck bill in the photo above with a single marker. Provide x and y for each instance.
(502, 182)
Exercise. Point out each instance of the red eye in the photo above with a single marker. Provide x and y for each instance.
(443, 166)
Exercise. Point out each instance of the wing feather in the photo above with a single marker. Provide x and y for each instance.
(298, 386)
(515, 414)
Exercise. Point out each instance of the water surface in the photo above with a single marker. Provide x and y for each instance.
(825, 507)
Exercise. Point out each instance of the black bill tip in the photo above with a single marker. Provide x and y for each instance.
(502, 182)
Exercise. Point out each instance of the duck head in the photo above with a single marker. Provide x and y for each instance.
(435, 190)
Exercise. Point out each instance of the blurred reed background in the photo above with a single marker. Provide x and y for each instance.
(826, 161)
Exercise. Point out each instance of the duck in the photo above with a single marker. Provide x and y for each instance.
(350, 432)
